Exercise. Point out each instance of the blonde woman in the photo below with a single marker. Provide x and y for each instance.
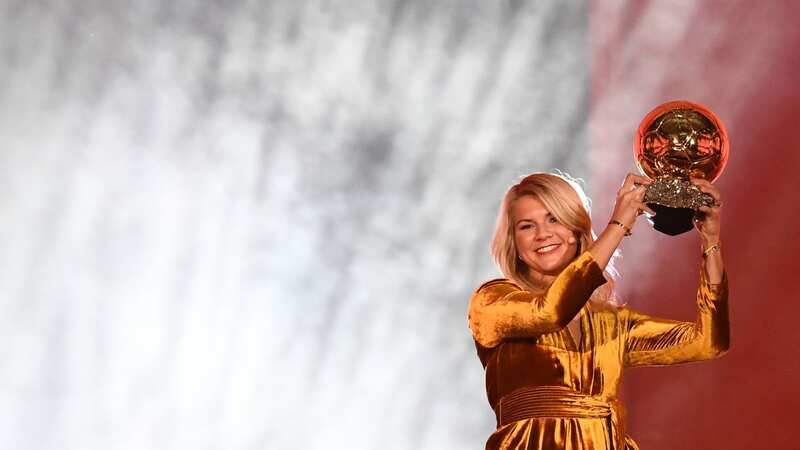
(550, 335)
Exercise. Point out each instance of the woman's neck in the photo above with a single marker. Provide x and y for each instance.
(541, 280)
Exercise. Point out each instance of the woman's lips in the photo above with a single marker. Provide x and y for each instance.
(547, 249)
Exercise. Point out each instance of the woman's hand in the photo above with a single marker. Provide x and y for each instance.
(708, 223)
(629, 203)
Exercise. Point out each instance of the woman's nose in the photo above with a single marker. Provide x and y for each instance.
(543, 232)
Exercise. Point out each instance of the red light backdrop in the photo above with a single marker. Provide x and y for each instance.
(741, 60)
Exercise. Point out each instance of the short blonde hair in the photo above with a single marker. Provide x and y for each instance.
(566, 201)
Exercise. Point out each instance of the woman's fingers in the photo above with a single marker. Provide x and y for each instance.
(710, 210)
(708, 188)
(626, 185)
(700, 181)
(704, 185)
(636, 193)
(643, 207)
(630, 199)
(632, 180)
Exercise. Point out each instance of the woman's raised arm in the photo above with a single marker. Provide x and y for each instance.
(652, 341)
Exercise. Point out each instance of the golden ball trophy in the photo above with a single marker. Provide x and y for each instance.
(675, 141)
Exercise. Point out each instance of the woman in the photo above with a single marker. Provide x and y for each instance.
(550, 336)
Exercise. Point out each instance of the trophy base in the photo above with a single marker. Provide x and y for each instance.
(671, 221)
(676, 192)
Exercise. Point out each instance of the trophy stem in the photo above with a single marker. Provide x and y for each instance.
(671, 221)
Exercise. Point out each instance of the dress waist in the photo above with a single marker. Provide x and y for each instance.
(550, 401)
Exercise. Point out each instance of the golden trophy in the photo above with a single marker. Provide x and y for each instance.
(675, 141)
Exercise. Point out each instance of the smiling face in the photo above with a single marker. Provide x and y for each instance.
(544, 245)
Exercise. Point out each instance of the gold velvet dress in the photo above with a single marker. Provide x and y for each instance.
(550, 392)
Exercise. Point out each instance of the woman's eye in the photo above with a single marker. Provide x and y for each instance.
(524, 227)
(553, 220)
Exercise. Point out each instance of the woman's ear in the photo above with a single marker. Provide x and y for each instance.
(573, 239)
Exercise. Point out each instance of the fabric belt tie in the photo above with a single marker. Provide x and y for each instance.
(550, 401)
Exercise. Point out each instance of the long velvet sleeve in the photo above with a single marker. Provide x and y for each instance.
(500, 309)
(653, 341)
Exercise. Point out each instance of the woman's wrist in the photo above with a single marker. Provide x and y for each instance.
(606, 244)
(618, 226)
(713, 248)
(707, 241)
(714, 267)
(711, 255)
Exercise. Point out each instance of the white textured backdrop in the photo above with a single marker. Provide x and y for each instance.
(256, 225)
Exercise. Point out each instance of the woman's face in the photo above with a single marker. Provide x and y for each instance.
(545, 245)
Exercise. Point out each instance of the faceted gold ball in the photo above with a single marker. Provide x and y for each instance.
(681, 139)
